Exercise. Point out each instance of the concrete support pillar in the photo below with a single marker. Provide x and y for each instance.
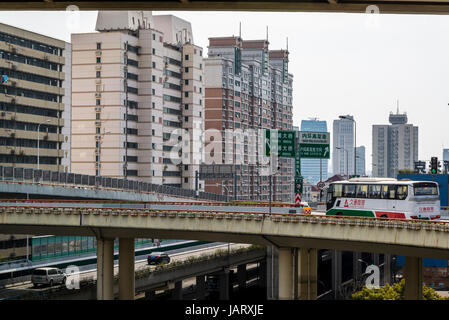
(241, 276)
(126, 269)
(177, 291)
(224, 285)
(376, 259)
(387, 269)
(272, 273)
(356, 268)
(413, 271)
(307, 274)
(263, 275)
(286, 274)
(200, 288)
(105, 269)
(336, 273)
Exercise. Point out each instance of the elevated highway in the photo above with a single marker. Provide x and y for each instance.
(297, 236)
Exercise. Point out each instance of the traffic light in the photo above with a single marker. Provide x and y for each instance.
(434, 164)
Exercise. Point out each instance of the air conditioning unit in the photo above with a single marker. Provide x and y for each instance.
(14, 67)
(12, 151)
(98, 52)
(98, 67)
(97, 94)
(98, 109)
(13, 100)
(3, 114)
(45, 57)
(98, 123)
(14, 50)
(13, 83)
(97, 137)
(98, 81)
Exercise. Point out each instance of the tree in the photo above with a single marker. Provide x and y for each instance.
(395, 292)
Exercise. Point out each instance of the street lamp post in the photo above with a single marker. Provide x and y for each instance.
(347, 156)
(38, 127)
(355, 141)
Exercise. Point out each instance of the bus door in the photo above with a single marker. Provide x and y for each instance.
(388, 207)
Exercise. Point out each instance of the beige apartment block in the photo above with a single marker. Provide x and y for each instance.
(35, 102)
(135, 91)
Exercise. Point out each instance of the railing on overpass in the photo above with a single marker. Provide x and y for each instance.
(96, 182)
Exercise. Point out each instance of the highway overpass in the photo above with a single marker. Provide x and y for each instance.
(297, 236)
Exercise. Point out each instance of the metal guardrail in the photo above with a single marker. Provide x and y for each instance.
(64, 178)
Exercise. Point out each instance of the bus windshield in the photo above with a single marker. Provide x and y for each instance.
(425, 189)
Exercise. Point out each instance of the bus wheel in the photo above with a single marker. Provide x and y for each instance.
(383, 216)
(339, 214)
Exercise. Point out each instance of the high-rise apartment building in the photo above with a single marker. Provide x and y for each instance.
(138, 99)
(343, 146)
(395, 146)
(35, 110)
(310, 168)
(248, 87)
(35, 102)
(360, 159)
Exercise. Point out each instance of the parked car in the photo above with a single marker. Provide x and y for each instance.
(158, 257)
(48, 276)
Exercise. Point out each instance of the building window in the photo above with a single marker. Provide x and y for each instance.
(98, 74)
(186, 81)
(154, 38)
(186, 106)
(186, 69)
(186, 57)
(153, 64)
(186, 94)
(98, 102)
(98, 59)
(153, 51)
(98, 45)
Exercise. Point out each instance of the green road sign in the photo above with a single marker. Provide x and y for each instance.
(297, 163)
(280, 142)
(314, 144)
(314, 151)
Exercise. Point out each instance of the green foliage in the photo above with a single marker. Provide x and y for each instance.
(395, 292)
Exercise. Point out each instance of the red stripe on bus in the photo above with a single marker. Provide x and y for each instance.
(394, 215)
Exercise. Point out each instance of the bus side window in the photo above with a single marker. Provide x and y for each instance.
(349, 190)
(337, 190)
(392, 192)
(401, 192)
(384, 192)
(362, 190)
(374, 191)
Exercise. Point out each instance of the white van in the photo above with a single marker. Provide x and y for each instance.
(47, 276)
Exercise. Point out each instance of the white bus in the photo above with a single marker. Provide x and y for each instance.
(384, 198)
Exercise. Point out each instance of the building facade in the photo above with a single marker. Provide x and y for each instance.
(310, 168)
(35, 101)
(395, 146)
(35, 110)
(248, 89)
(138, 99)
(343, 146)
(360, 158)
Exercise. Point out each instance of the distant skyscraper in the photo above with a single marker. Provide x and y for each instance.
(360, 158)
(446, 154)
(343, 161)
(310, 168)
(395, 146)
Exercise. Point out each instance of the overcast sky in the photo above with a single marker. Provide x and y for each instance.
(358, 64)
